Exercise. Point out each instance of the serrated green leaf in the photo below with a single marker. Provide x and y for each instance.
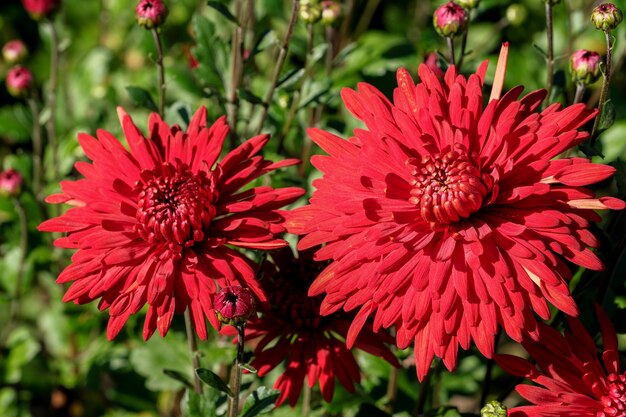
(178, 376)
(213, 380)
(200, 405)
(223, 10)
(141, 97)
(261, 401)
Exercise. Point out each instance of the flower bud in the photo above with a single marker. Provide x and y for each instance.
(151, 13)
(19, 81)
(39, 9)
(493, 409)
(468, 4)
(516, 14)
(585, 66)
(606, 16)
(310, 11)
(331, 12)
(234, 305)
(10, 183)
(450, 19)
(14, 51)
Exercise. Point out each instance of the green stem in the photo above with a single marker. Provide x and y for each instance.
(160, 70)
(52, 99)
(19, 277)
(605, 85)
(486, 382)
(450, 49)
(392, 389)
(550, 52)
(235, 386)
(37, 148)
(282, 55)
(193, 348)
(422, 396)
(306, 400)
(580, 92)
(235, 75)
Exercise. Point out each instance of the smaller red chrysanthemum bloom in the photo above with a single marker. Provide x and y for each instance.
(450, 19)
(585, 66)
(19, 81)
(292, 330)
(606, 16)
(151, 13)
(234, 305)
(14, 52)
(573, 381)
(10, 183)
(160, 224)
(38, 9)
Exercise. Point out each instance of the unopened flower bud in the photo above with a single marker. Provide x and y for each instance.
(450, 20)
(234, 305)
(310, 11)
(606, 16)
(19, 81)
(151, 13)
(585, 66)
(516, 14)
(493, 409)
(10, 183)
(14, 51)
(468, 4)
(331, 12)
(39, 9)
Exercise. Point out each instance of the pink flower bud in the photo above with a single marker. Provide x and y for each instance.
(234, 305)
(38, 9)
(450, 19)
(432, 61)
(606, 16)
(585, 66)
(151, 13)
(19, 81)
(10, 183)
(14, 51)
(331, 12)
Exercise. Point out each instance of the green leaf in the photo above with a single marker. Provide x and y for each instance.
(607, 118)
(15, 123)
(261, 401)
(223, 10)
(179, 376)
(141, 98)
(249, 96)
(213, 380)
(200, 405)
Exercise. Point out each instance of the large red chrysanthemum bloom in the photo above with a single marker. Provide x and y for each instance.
(158, 225)
(573, 381)
(293, 331)
(446, 219)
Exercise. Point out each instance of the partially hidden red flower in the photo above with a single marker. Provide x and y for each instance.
(41, 8)
(573, 381)
(234, 305)
(10, 183)
(446, 219)
(19, 81)
(158, 224)
(293, 331)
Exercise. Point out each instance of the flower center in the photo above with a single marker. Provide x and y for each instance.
(446, 188)
(614, 401)
(175, 206)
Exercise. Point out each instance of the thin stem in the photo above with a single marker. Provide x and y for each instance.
(52, 98)
(282, 55)
(37, 147)
(464, 41)
(422, 396)
(392, 389)
(550, 52)
(605, 85)
(15, 302)
(306, 400)
(486, 382)
(160, 70)
(580, 92)
(366, 17)
(235, 76)
(193, 348)
(450, 49)
(235, 386)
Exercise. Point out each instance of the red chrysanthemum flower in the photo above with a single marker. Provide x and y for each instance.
(313, 346)
(157, 225)
(574, 382)
(446, 219)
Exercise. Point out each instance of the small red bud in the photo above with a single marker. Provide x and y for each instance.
(331, 12)
(585, 66)
(606, 16)
(14, 51)
(151, 13)
(234, 305)
(450, 20)
(39, 9)
(19, 81)
(10, 183)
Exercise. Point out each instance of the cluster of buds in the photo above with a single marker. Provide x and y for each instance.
(493, 409)
(40, 9)
(14, 52)
(19, 81)
(606, 17)
(585, 66)
(10, 183)
(313, 11)
(151, 13)
(234, 305)
(450, 19)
